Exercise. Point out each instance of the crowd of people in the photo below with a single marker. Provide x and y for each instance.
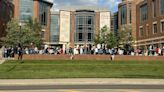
(9, 52)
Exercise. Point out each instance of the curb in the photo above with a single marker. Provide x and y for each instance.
(25, 82)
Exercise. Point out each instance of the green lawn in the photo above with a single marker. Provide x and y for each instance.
(81, 69)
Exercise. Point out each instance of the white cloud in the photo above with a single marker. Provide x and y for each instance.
(111, 4)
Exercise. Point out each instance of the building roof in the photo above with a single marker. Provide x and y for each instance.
(74, 8)
(48, 1)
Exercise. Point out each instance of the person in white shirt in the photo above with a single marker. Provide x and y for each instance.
(81, 50)
(96, 50)
(159, 51)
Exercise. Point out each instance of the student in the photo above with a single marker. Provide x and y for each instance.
(113, 54)
(20, 53)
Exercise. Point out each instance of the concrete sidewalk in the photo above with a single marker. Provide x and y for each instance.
(80, 81)
(2, 61)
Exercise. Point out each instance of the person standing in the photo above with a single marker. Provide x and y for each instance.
(113, 54)
(5, 52)
(20, 54)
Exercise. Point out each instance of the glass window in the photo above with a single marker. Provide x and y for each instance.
(89, 20)
(89, 28)
(90, 38)
(143, 13)
(154, 28)
(54, 28)
(130, 14)
(162, 26)
(84, 25)
(154, 5)
(43, 13)
(123, 13)
(26, 9)
(80, 37)
(162, 7)
(80, 27)
(79, 20)
(3, 11)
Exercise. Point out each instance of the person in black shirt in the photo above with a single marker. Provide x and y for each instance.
(20, 53)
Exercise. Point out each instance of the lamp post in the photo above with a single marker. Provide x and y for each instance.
(20, 27)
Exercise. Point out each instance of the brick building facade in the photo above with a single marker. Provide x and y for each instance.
(150, 24)
(78, 26)
(35, 9)
(127, 15)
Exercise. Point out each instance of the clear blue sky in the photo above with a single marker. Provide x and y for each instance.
(111, 4)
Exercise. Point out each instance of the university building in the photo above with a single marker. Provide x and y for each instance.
(6, 13)
(127, 16)
(35, 9)
(77, 26)
(150, 23)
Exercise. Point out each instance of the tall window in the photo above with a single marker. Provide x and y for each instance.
(80, 37)
(43, 13)
(154, 28)
(130, 14)
(123, 13)
(54, 28)
(84, 25)
(143, 13)
(90, 37)
(26, 9)
(154, 7)
(162, 26)
(3, 10)
(162, 7)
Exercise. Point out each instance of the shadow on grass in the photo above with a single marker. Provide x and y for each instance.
(12, 68)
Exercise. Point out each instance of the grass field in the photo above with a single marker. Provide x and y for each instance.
(81, 69)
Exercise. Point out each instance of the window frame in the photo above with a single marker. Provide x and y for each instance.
(160, 8)
(155, 23)
(154, 8)
(162, 21)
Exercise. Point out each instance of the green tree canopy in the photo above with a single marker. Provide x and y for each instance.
(28, 33)
(125, 37)
(106, 37)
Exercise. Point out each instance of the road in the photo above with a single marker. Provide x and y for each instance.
(83, 88)
(82, 85)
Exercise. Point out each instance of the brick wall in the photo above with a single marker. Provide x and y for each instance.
(91, 57)
(149, 38)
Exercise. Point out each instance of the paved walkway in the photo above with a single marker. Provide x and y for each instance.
(2, 61)
(81, 81)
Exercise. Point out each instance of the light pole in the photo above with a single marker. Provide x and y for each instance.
(20, 27)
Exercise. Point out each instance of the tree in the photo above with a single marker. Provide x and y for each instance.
(106, 37)
(24, 35)
(111, 40)
(125, 37)
(35, 27)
